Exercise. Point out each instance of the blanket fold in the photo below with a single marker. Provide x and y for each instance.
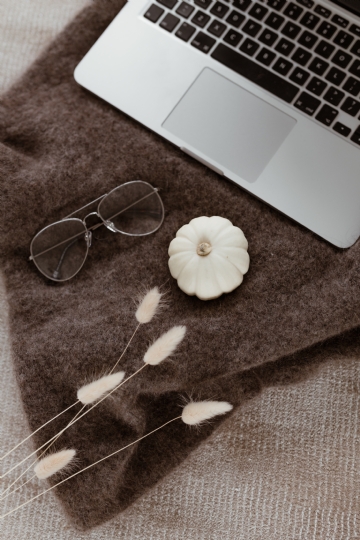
(61, 147)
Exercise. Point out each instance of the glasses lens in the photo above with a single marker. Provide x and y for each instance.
(60, 250)
(134, 208)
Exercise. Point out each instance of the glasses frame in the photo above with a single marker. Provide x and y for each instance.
(88, 230)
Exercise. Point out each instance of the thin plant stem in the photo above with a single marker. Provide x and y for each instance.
(88, 467)
(73, 419)
(73, 405)
(4, 495)
(74, 422)
(124, 351)
(38, 429)
(19, 487)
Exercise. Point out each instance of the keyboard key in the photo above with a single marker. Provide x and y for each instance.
(356, 136)
(334, 96)
(341, 59)
(326, 30)
(307, 39)
(203, 3)
(185, 10)
(274, 21)
(293, 11)
(268, 37)
(291, 30)
(258, 11)
(242, 4)
(169, 22)
(324, 49)
(309, 20)
(326, 115)
(351, 106)
(335, 76)
(356, 48)
(255, 72)
(301, 56)
(340, 128)
(322, 11)
(265, 56)
(343, 39)
(252, 28)
(354, 29)
(282, 66)
(352, 86)
(318, 66)
(233, 38)
(216, 28)
(276, 4)
(154, 13)
(249, 47)
(299, 76)
(203, 42)
(200, 19)
(284, 47)
(167, 3)
(340, 21)
(185, 31)
(307, 103)
(307, 3)
(355, 68)
(219, 9)
(235, 19)
(316, 86)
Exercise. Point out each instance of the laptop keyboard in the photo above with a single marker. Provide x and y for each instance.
(298, 51)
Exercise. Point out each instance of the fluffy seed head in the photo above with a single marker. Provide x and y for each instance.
(164, 346)
(93, 391)
(196, 412)
(53, 463)
(148, 306)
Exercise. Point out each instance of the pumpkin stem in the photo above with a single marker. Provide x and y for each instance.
(203, 249)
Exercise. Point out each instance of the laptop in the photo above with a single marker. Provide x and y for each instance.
(264, 92)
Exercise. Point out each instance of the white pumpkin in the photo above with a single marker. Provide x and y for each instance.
(209, 257)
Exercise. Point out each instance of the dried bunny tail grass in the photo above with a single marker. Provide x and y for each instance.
(196, 412)
(75, 419)
(38, 429)
(164, 346)
(193, 413)
(53, 463)
(148, 306)
(95, 390)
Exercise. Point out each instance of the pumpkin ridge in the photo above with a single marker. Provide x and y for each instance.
(218, 250)
(177, 257)
(238, 272)
(186, 264)
(219, 233)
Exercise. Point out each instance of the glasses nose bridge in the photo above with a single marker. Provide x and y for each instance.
(88, 215)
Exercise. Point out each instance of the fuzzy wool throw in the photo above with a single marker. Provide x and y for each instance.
(61, 147)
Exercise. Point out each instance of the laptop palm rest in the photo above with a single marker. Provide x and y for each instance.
(229, 125)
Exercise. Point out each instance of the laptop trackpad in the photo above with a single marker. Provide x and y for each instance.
(228, 124)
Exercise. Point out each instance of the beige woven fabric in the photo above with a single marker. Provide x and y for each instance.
(284, 467)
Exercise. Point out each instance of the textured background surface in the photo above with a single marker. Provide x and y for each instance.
(285, 466)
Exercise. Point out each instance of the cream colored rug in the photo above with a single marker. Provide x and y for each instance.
(284, 467)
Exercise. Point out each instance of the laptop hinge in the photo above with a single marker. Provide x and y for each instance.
(350, 5)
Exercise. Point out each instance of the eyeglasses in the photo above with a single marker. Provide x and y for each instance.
(60, 249)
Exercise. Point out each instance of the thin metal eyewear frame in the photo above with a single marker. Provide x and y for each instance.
(87, 233)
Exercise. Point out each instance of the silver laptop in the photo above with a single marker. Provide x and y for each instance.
(264, 92)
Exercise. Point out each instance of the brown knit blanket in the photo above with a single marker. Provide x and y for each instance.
(61, 147)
